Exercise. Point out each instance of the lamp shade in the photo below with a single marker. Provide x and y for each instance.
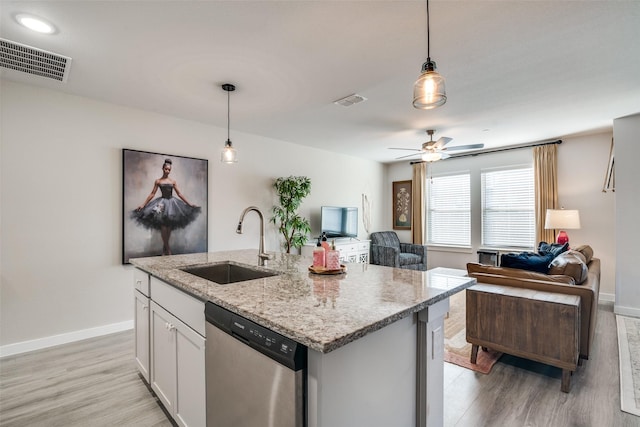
(562, 219)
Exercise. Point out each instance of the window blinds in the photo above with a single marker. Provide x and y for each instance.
(449, 210)
(508, 208)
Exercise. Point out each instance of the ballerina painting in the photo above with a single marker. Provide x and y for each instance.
(174, 213)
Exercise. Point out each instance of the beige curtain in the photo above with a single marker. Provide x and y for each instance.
(545, 169)
(418, 213)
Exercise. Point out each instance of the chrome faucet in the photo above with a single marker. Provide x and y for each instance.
(262, 255)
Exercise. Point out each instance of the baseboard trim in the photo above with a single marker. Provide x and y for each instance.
(607, 297)
(626, 311)
(40, 343)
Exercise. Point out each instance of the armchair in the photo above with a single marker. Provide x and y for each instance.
(386, 249)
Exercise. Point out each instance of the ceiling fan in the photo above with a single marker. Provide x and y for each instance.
(432, 151)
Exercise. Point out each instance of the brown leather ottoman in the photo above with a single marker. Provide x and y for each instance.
(535, 325)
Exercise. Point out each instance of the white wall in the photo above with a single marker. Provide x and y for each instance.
(61, 203)
(627, 154)
(582, 166)
(582, 163)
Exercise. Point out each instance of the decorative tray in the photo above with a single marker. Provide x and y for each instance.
(323, 270)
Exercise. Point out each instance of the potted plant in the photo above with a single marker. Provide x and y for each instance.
(293, 227)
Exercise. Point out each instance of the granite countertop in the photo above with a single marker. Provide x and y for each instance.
(323, 312)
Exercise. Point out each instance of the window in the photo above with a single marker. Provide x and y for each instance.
(508, 208)
(449, 210)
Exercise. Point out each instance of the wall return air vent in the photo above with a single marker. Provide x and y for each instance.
(31, 60)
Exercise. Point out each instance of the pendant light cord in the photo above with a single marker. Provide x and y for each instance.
(428, 35)
(228, 116)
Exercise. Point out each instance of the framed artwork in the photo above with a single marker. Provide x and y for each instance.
(164, 204)
(402, 205)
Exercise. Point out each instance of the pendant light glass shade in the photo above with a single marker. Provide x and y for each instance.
(429, 91)
(228, 154)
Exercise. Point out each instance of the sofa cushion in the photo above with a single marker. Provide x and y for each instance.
(553, 248)
(586, 251)
(473, 268)
(409, 259)
(571, 263)
(527, 261)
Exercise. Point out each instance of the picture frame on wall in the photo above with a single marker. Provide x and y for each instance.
(402, 205)
(164, 204)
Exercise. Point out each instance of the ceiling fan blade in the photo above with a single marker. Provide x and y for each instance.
(444, 156)
(464, 147)
(442, 141)
(408, 155)
(408, 149)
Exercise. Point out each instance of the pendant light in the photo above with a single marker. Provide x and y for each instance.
(228, 152)
(428, 90)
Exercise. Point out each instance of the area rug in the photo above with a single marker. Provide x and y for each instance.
(456, 348)
(629, 351)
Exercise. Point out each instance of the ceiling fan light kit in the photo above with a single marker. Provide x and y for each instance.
(431, 156)
(228, 154)
(429, 90)
(432, 151)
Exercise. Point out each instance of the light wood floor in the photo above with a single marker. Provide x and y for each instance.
(518, 392)
(95, 383)
(88, 383)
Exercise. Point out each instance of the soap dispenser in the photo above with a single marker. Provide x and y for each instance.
(325, 244)
(319, 255)
(333, 257)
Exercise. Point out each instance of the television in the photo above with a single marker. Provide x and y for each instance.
(339, 221)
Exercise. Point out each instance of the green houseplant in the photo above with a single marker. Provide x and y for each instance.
(293, 227)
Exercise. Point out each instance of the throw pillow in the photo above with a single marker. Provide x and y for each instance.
(552, 248)
(571, 263)
(527, 261)
(586, 251)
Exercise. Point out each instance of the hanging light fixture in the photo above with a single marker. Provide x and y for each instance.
(428, 90)
(228, 152)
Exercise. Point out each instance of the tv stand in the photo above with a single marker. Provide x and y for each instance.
(351, 249)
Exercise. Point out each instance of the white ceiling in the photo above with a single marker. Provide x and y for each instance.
(516, 71)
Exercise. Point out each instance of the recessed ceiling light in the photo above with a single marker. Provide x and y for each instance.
(35, 23)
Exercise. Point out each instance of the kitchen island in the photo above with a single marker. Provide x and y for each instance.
(374, 334)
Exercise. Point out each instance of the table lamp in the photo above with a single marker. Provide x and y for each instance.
(562, 219)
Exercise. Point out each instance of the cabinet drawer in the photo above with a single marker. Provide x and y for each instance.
(363, 247)
(185, 307)
(141, 281)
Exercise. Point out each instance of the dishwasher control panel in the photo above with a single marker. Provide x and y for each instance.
(272, 344)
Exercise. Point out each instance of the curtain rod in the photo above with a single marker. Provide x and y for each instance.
(497, 150)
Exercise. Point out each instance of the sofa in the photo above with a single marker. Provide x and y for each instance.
(386, 249)
(549, 317)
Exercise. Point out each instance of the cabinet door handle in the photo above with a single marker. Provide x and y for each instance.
(171, 327)
(138, 282)
(145, 307)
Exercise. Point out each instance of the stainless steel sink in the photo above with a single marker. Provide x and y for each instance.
(225, 273)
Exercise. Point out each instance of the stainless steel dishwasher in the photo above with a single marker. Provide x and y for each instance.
(255, 377)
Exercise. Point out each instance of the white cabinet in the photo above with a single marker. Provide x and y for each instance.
(354, 251)
(141, 321)
(351, 250)
(170, 347)
(177, 367)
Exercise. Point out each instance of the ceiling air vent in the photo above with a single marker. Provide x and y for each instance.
(350, 100)
(27, 59)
